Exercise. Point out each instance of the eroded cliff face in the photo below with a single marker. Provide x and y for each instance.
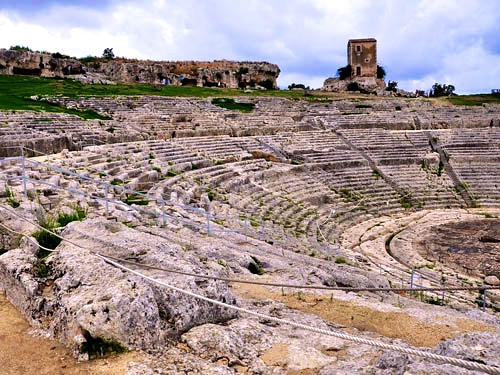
(223, 73)
(37, 64)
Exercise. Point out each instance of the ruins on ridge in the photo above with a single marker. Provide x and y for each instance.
(219, 73)
(361, 66)
(362, 57)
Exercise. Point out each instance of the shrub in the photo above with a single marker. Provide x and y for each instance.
(298, 86)
(349, 195)
(172, 173)
(255, 266)
(381, 72)
(58, 55)
(344, 72)
(392, 86)
(268, 84)
(340, 260)
(376, 173)
(11, 200)
(20, 48)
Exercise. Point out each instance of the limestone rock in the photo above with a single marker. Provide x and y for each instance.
(90, 298)
(492, 280)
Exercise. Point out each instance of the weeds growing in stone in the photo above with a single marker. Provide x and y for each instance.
(255, 266)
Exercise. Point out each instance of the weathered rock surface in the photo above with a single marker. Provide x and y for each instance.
(84, 297)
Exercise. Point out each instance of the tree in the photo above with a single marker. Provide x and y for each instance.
(298, 86)
(392, 86)
(108, 53)
(20, 48)
(442, 90)
(381, 72)
(344, 72)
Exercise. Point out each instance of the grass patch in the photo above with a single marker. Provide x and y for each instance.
(46, 239)
(172, 173)
(474, 100)
(11, 199)
(376, 173)
(64, 218)
(137, 199)
(16, 93)
(229, 103)
(405, 200)
(488, 215)
(350, 195)
(340, 260)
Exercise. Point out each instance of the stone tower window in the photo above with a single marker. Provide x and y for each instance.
(358, 70)
(358, 48)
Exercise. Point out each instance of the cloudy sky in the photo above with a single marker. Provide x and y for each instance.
(420, 42)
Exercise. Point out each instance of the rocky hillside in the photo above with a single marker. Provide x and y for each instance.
(242, 233)
(225, 73)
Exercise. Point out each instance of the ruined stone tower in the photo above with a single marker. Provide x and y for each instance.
(362, 57)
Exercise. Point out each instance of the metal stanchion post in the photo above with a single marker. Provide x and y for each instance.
(411, 281)
(163, 212)
(24, 173)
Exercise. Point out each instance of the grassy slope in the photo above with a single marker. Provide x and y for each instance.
(15, 93)
(477, 99)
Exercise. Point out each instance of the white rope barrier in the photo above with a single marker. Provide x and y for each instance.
(436, 357)
(253, 282)
(454, 361)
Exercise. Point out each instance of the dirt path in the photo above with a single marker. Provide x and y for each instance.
(22, 353)
(390, 324)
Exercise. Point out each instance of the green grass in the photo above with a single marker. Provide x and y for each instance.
(350, 195)
(137, 199)
(45, 238)
(79, 214)
(229, 103)
(340, 260)
(472, 100)
(16, 93)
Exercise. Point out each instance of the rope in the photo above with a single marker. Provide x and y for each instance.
(454, 361)
(241, 281)
(319, 287)
(29, 239)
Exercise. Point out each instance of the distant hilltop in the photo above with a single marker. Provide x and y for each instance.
(221, 73)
